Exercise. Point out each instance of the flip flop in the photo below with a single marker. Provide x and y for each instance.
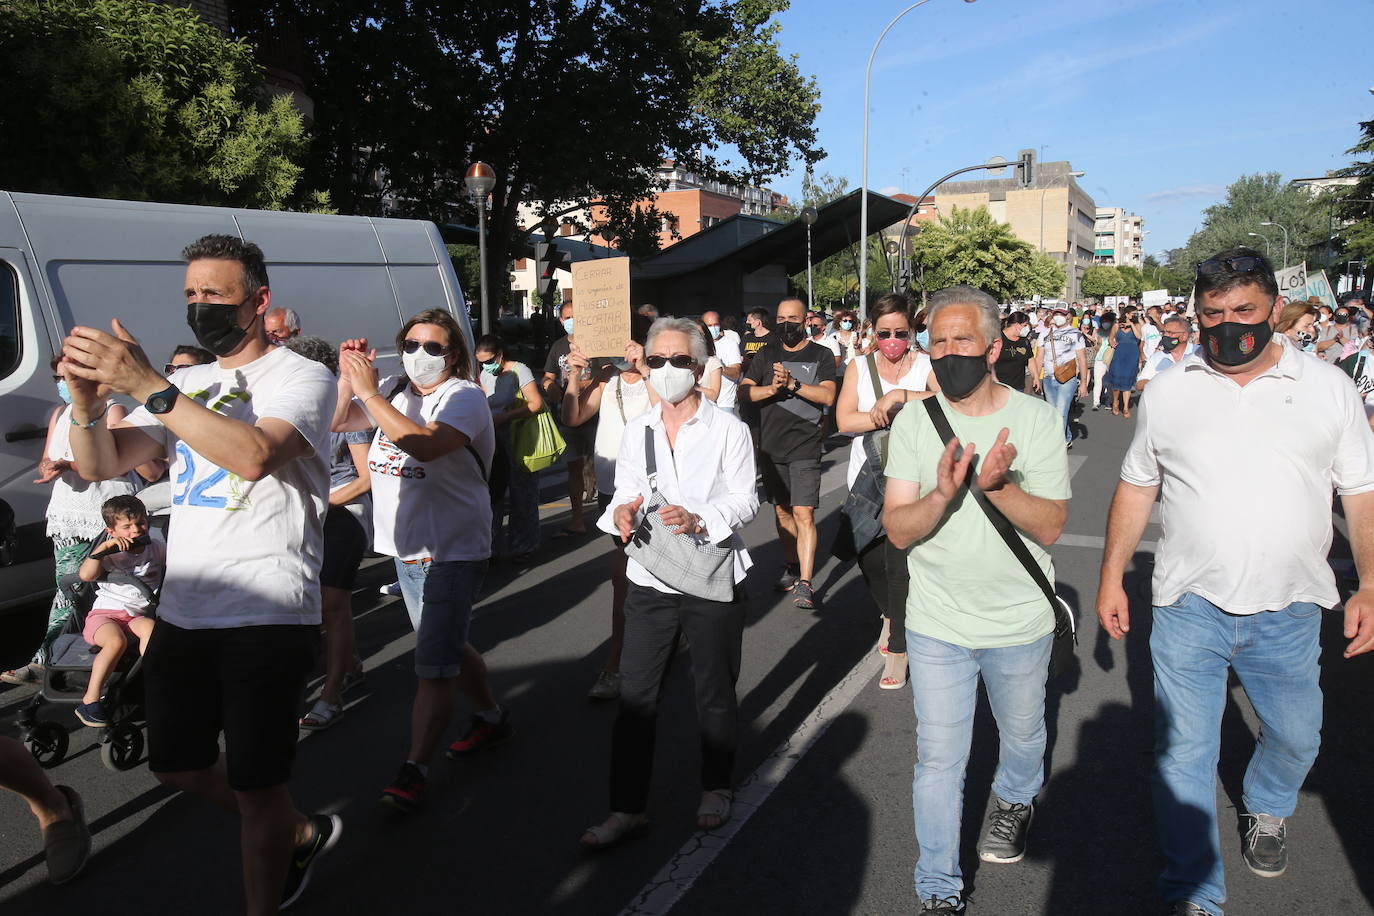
(714, 803)
(618, 828)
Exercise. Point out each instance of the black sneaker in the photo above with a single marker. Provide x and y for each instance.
(480, 735)
(788, 580)
(407, 790)
(803, 596)
(943, 906)
(1004, 841)
(93, 714)
(1266, 845)
(327, 828)
(1186, 908)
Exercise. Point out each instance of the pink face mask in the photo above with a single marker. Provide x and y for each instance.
(893, 347)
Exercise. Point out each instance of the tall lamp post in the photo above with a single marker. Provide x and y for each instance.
(863, 181)
(480, 179)
(808, 216)
(1285, 239)
(1267, 255)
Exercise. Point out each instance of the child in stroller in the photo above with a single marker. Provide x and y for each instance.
(114, 596)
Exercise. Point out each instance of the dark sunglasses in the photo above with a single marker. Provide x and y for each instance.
(681, 361)
(56, 377)
(900, 335)
(169, 368)
(1241, 265)
(430, 347)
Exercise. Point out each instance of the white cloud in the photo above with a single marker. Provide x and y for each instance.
(890, 190)
(1186, 192)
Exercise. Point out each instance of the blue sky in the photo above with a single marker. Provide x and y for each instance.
(1163, 103)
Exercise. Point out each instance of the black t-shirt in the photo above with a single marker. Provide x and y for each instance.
(790, 426)
(557, 363)
(749, 345)
(1011, 365)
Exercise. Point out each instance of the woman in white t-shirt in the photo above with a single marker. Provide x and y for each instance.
(431, 510)
(615, 398)
(512, 394)
(846, 334)
(711, 374)
(901, 371)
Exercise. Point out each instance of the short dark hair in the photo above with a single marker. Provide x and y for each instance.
(891, 304)
(126, 505)
(457, 342)
(1224, 278)
(316, 348)
(230, 248)
(762, 315)
(1017, 317)
(201, 355)
(492, 342)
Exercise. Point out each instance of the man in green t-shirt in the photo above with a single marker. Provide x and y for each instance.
(973, 610)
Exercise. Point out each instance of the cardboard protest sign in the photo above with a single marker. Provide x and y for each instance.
(601, 306)
(1292, 282)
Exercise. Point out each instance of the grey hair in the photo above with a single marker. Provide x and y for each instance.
(695, 340)
(1179, 319)
(289, 318)
(316, 348)
(989, 313)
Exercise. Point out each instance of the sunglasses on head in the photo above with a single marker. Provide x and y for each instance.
(430, 347)
(681, 361)
(1241, 265)
(900, 335)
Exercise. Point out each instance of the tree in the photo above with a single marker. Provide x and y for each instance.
(1159, 276)
(1353, 205)
(969, 246)
(1132, 281)
(144, 101)
(569, 101)
(1250, 201)
(1103, 280)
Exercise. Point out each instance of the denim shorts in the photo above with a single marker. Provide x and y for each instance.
(439, 597)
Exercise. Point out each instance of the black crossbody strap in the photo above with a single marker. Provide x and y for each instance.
(1001, 524)
(650, 461)
(401, 383)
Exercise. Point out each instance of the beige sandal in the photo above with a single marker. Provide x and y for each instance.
(894, 672)
(616, 829)
(714, 809)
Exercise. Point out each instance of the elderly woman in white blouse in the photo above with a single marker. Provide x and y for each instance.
(704, 462)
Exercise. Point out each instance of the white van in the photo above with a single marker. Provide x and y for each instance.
(66, 261)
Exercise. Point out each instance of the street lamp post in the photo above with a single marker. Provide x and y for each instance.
(1267, 255)
(808, 216)
(1285, 239)
(480, 179)
(863, 182)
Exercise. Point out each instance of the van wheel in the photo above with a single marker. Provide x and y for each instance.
(47, 741)
(124, 749)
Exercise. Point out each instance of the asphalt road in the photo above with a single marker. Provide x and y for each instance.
(824, 822)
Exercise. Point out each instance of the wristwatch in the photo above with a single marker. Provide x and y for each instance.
(796, 385)
(162, 401)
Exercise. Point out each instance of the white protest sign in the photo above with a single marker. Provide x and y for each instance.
(1319, 286)
(1292, 281)
(1155, 297)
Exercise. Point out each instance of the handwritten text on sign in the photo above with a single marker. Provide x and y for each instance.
(601, 306)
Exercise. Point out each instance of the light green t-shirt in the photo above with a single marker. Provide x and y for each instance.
(967, 588)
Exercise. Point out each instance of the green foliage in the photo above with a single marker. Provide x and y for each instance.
(139, 100)
(969, 246)
(1133, 281)
(1250, 201)
(1355, 204)
(1103, 280)
(467, 266)
(1159, 276)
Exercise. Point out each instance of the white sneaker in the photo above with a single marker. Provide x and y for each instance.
(391, 591)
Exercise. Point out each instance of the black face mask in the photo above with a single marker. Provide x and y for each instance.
(1342, 319)
(1232, 343)
(1169, 344)
(790, 332)
(216, 325)
(959, 375)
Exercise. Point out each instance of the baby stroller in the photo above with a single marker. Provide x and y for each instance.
(67, 674)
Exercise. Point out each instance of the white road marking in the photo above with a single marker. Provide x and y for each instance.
(678, 875)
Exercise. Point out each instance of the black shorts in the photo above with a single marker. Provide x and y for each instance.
(581, 440)
(791, 483)
(345, 542)
(247, 682)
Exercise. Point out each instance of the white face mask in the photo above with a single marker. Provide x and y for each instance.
(1025, 330)
(671, 383)
(1060, 320)
(422, 369)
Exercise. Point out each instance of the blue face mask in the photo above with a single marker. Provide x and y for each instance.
(923, 338)
(846, 325)
(567, 325)
(715, 331)
(491, 367)
(63, 391)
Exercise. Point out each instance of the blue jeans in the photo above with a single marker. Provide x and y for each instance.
(439, 598)
(1274, 654)
(944, 688)
(1061, 395)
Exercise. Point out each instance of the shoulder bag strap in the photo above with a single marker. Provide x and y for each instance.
(620, 397)
(650, 462)
(1002, 524)
(873, 377)
(400, 385)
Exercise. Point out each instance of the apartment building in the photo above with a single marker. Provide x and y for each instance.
(1119, 238)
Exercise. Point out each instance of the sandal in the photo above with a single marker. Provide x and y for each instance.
(714, 810)
(886, 633)
(894, 672)
(322, 715)
(28, 674)
(616, 829)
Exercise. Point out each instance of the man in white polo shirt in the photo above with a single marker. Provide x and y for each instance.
(1175, 345)
(1247, 440)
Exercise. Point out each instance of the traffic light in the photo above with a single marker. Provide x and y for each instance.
(1027, 166)
(548, 259)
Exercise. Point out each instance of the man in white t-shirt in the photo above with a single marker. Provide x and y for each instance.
(1243, 444)
(1062, 345)
(239, 616)
(1150, 332)
(731, 359)
(1175, 345)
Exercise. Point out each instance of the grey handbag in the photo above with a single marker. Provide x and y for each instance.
(679, 561)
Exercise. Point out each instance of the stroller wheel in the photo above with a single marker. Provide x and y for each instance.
(47, 741)
(124, 749)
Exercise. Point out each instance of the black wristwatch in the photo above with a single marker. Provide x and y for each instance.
(162, 401)
(796, 385)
